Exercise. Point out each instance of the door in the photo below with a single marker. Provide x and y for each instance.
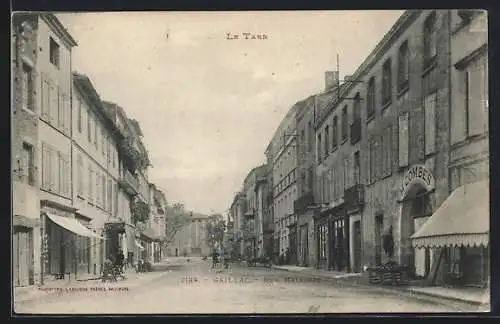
(357, 246)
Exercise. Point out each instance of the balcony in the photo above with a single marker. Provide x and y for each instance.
(131, 156)
(356, 131)
(300, 205)
(355, 196)
(129, 183)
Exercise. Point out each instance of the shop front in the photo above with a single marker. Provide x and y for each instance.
(63, 255)
(115, 230)
(339, 242)
(322, 239)
(459, 232)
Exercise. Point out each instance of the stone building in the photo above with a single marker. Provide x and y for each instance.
(236, 212)
(458, 231)
(390, 128)
(281, 152)
(61, 227)
(254, 211)
(25, 111)
(304, 205)
(95, 169)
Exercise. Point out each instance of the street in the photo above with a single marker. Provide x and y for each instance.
(194, 287)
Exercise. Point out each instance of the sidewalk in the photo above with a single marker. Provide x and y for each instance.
(474, 296)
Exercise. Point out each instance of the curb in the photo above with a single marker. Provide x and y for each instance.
(394, 290)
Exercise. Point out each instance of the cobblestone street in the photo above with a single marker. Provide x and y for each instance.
(196, 288)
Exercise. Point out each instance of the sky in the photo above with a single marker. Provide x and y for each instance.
(208, 105)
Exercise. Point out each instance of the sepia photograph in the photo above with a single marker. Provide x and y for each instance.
(250, 162)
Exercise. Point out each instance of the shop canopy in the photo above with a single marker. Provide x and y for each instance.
(139, 245)
(463, 219)
(73, 225)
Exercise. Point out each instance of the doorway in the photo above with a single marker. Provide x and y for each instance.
(357, 242)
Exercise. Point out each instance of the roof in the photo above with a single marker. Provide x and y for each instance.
(87, 89)
(462, 219)
(135, 124)
(59, 29)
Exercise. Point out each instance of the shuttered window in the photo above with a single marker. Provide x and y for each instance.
(67, 116)
(103, 190)
(80, 175)
(54, 104)
(403, 140)
(110, 196)
(377, 161)
(91, 184)
(346, 172)
(45, 109)
(430, 123)
(46, 167)
(387, 152)
(60, 109)
(477, 97)
(89, 126)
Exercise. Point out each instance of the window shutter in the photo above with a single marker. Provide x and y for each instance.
(45, 167)
(45, 97)
(477, 99)
(389, 148)
(377, 163)
(346, 173)
(60, 109)
(430, 123)
(67, 108)
(54, 106)
(458, 128)
(403, 140)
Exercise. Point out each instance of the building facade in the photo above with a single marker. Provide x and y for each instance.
(304, 205)
(54, 90)
(458, 231)
(237, 209)
(253, 211)
(284, 162)
(25, 152)
(191, 239)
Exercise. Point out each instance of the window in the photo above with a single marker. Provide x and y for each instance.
(371, 168)
(96, 133)
(386, 151)
(79, 161)
(89, 126)
(430, 123)
(103, 191)
(54, 52)
(345, 172)
(80, 113)
(403, 148)
(319, 148)
(403, 66)
(27, 91)
(91, 184)
(357, 168)
(386, 82)
(302, 137)
(114, 155)
(310, 136)
(46, 167)
(45, 97)
(29, 163)
(370, 99)
(103, 142)
(470, 112)
(54, 104)
(344, 123)
(327, 136)
(356, 108)
(335, 133)
(60, 109)
(430, 41)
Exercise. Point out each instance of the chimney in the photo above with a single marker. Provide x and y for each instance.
(331, 80)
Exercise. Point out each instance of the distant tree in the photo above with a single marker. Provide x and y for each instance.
(176, 217)
(215, 229)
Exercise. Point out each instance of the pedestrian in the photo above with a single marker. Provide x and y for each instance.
(287, 256)
(214, 259)
(120, 260)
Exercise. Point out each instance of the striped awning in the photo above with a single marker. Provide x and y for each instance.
(73, 225)
(463, 219)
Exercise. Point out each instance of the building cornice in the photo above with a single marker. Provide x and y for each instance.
(57, 27)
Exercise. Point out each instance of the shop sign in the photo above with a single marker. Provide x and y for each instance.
(417, 174)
